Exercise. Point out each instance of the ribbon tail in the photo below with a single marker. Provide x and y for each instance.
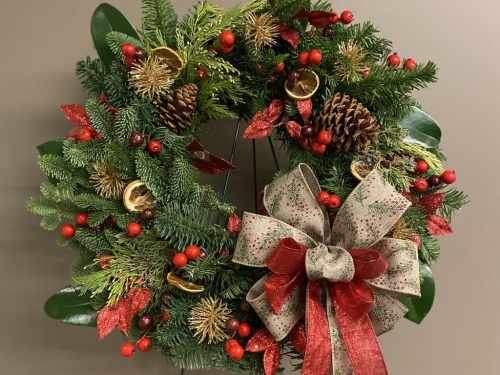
(317, 358)
(361, 343)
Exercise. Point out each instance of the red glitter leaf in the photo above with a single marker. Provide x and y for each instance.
(272, 359)
(260, 341)
(320, 19)
(438, 225)
(139, 299)
(76, 114)
(295, 131)
(408, 195)
(221, 162)
(430, 203)
(257, 129)
(234, 224)
(103, 100)
(289, 35)
(125, 313)
(207, 166)
(416, 240)
(305, 109)
(195, 146)
(107, 320)
(302, 13)
(298, 337)
(274, 110)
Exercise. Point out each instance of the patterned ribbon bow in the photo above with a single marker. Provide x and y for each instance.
(352, 269)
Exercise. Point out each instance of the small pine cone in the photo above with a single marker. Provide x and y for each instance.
(176, 109)
(352, 126)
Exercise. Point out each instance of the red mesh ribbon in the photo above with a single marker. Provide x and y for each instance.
(352, 300)
(316, 18)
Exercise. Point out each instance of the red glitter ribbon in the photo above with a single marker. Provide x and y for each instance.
(214, 164)
(289, 35)
(316, 18)
(261, 124)
(352, 300)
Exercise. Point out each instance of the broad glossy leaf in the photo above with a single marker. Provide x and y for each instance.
(69, 307)
(423, 129)
(51, 147)
(420, 307)
(105, 19)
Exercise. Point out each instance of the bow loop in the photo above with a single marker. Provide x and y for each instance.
(368, 264)
(331, 263)
(355, 298)
(288, 258)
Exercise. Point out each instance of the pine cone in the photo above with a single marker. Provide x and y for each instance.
(350, 123)
(176, 109)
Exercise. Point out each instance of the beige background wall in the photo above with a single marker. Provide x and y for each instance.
(42, 40)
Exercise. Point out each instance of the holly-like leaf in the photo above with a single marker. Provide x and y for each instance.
(260, 341)
(257, 129)
(221, 162)
(195, 146)
(291, 36)
(106, 19)
(422, 129)
(51, 147)
(418, 308)
(125, 315)
(438, 225)
(272, 359)
(139, 299)
(70, 307)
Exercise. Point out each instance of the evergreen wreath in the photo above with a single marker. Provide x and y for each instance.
(155, 247)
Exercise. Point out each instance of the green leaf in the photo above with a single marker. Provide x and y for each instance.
(420, 307)
(70, 307)
(423, 129)
(106, 19)
(51, 147)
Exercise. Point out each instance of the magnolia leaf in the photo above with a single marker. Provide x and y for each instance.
(422, 129)
(418, 308)
(106, 19)
(70, 307)
(51, 147)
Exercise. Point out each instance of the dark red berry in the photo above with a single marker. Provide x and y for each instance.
(139, 54)
(317, 148)
(434, 180)
(394, 60)
(134, 229)
(280, 68)
(203, 255)
(244, 329)
(293, 76)
(81, 219)
(322, 198)
(136, 139)
(302, 59)
(68, 231)
(328, 32)
(179, 260)
(99, 228)
(232, 324)
(147, 214)
(420, 184)
(346, 17)
(84, 135)
(244, 307)
(165, 297)
(145, 344)
(409, 64)
(145, 321)
(421, 167)
(448, 177)
(211, 48)
(324, 137)
(225, 49)
(258, 69)
(127, 349)
(226, 38)
(307, 131)
(154, 147)
(333, 202)
(315, 56)
(128, 50)
(272, 80)
(192, 252)
(130, 62)
(200, 73)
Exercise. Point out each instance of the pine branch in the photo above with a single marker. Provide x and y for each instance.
(91, 74)
(159, 22)
(453, 201)
(101, 119)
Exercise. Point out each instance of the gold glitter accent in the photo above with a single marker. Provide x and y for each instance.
(351, 60)
(106, 182)
(402, 231)
(151, 77)
(262, 30)
(208, 318)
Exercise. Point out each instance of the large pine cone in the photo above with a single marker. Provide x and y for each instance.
(350, 123)
(176, 109)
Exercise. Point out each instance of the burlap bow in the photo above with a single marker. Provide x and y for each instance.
(351, 269)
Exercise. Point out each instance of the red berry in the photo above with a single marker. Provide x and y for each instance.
(229, 344)
(84, 135)
(200, 73)
(244, 329)
(68, 230)
(346, 17)
(324, 137)
(317, 148)
(303, 59)
(179, 260)
(448, 177)
(114, 220)
(130, 62)
(420, 184)
(280, 67)
(366, 73)
(127, 349)
(104, 261)
(394, 60)
(145, 344)
(322, 198)
(421, 167)
(136, 139)
(226, 38)
(192, 252)
(334, 17)
(258, 69)
(409, 64)
(226, 50)
(224, 253)
(81, 218)
(134, 229)
(236, 352)
(165, 297)
(315, 56)
(154, 147)
(128, 50)
(139, 54)
(165, 316)
(333, 202)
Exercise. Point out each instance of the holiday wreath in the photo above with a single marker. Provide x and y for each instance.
(340, 246)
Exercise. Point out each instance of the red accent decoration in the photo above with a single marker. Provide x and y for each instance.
(179, 260)
(107, 320)
(145, 344)
(280, 68)
(234, 224)
(139, 299)
(316, 18)
(272, 358)
(438, 225)
(448, 177)
(260, 341)
(195, 146)
(127, 349)
(260, 125)
(104, 101)
(346, 17)
(68, 231)
(289, 35)
(430, 203)
(298, 337)
(295, 130)
(192, 252)
(244, 330)
(215, 165)
(305, 109)
(394, 60)
(315, 56)
(76, 114)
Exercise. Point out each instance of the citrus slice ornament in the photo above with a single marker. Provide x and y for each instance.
(360, 169)
(169, 57)
(306, 86)
(137, 197)
(187, 286)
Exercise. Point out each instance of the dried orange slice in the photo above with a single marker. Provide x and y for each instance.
(184, 285)
(137, 197)
(305, 87)
(169, 57)
(360, 169)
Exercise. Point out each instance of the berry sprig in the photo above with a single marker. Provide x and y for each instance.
(226, 39)
(394, 61)
(132, 55)
(331, 201)
(232, 347)
(191, 252)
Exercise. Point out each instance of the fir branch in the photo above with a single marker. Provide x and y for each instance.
(159, 22)
(91, 73)
(153, 174)
(125, 123)
(116, 40)
(79, 154)
(55, 166)
(453, 201)
(101, 119)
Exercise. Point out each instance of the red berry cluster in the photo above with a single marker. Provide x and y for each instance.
(226, 39)
(394, 60)
(329, 200)
(144, 345)
(132, 54)
(313, 57)
(421, 184)
(318, 144)
(191, 252)
(234, 350)
(137, 139)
